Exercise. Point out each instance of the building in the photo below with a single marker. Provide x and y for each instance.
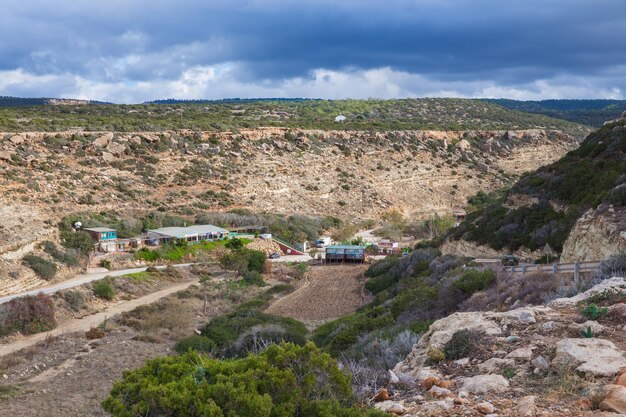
(341, 118)
(107, 240)
(459, 216)
(102, 234)
(191, 234)
(387, 247)
(345, 253)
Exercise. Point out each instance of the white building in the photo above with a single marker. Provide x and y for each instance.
(341, 118)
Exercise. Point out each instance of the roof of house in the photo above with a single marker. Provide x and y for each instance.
(183, 232)
(99, 229)
(362, 247)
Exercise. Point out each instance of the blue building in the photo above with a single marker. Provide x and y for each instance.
(345, 253)
(102, 234)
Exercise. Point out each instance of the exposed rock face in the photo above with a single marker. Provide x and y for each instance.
(596, 235)
(596, 357)
(615, 284)
(481, 384)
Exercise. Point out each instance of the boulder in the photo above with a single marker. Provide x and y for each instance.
(437, 392)
(614, 284)
(526, 407)
(5, 156)
(522, 354)
(108, 157)
(116, 149)
(392, 407)
(103, 140)
(463, 145)
(494, 365)
(485, 408)
(540, 362)
(614, 400)
(596, 328)
(481, 384)
(16, 140)
(591, 356)
(520, 315)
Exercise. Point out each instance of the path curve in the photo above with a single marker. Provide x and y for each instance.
(87, 322)
(80, 280)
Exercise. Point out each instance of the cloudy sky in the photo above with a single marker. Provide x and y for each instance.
(129, 51)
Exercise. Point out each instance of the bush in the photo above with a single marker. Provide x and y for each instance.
(473, 280)
(243, 331)
(615, 266)
(284, 381)
(104, 289)
(196, 343)
(81, 241)
(256, 260)
(94, 333)
(27, 315)
(463, 344)
(75, 299)
(43, 268)
(593, 312)
(69, 257)
(147, 255)
(253, 278)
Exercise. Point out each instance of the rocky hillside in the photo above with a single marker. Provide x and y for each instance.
(349, 174)
(577, 205)
(564, 359)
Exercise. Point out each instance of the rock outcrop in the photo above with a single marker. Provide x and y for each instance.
(596, 235)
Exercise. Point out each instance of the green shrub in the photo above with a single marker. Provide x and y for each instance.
(42, 267)
(234, 334)
(69, 257)
(27, 315)
(81, 241)
(147, 255)
(474, 280)
(593, 312)
(283, 381)
(104, 289)
(256, 260)
(464, 343)
(75, 299)
(254, 278)
(196, 343)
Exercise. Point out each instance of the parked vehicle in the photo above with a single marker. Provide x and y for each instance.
(322, 242)
(274, 255)
(509, 260)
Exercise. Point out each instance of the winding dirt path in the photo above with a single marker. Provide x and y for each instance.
(86, 323)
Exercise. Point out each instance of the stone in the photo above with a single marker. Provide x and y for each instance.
(540, 362)
(463, 145)
(393, 378)
(523, 354)
(108, 157)
(437, 408)
(437, 392)
(6, 156)
(614, 400)
(526, 407)
(116, 149)
(462, 362)
(16, 139)
(447, 384)
(381, 395)
(485, 408)
(494, 365)
(481, 384)
(591, 356)
(621, 379)
(521, 315)
(547, 326)
(512, 339)
(391, 407)
(103, 140)
(428, 382)
(596, 328)
(615, 284)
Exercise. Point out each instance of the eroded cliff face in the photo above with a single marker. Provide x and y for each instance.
(349, 174)
(597, 235)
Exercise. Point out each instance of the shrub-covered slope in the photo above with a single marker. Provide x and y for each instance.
(543, 206)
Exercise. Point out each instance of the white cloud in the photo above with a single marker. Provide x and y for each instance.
(223, 81)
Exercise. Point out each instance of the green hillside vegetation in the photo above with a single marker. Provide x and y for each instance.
(377, 115)
(588, 177)
(587, 112)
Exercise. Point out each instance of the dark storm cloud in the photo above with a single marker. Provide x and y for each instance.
(510, 44)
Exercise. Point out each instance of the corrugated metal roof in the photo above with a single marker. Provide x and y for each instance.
(183, 232)
(99, 229)
(345, 247)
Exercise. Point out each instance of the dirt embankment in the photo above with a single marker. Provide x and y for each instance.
(328, 293)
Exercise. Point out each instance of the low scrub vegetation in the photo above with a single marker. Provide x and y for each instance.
(104, 289)
(42, 267)
(27, 315)
(284, 381)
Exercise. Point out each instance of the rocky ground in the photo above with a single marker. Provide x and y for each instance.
(532, 361)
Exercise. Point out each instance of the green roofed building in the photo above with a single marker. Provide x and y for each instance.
(345, 253)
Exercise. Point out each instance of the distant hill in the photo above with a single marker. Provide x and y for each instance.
(234, 114)
(544, 205)
(6, 101)
(587, 112)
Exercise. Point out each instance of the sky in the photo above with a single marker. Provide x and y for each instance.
(131, 51)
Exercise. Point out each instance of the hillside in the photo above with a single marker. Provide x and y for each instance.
(374, 115)
(546, 206)
(586, 112)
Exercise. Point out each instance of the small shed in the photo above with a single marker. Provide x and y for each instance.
(102, 234)
(341, 118)
(345, 253)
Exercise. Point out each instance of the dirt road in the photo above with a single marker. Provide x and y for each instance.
(328, 293)
(80, 280)
(84, 324)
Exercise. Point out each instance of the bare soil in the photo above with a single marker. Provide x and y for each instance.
(328, 292)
